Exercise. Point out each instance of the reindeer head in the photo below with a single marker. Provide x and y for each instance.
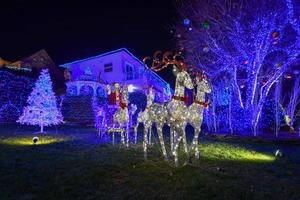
(198, 75)
(163, 60)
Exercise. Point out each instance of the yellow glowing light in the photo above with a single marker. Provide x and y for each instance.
(234, 153)
(27, 140)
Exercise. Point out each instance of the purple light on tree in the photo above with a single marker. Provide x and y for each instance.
(293, 102)
(253, 42)
(42, 106)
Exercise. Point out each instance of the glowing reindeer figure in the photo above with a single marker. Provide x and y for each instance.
(178, 112)
(174, 112)
(195, 111)
(144, 117)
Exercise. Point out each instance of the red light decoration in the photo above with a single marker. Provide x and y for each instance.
(287, 76)
(275, 35)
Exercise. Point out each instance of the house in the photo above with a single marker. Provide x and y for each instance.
(89, 76)
(18, 78)
(34, 63)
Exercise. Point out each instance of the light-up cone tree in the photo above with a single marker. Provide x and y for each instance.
(42, 105)
(254, 41)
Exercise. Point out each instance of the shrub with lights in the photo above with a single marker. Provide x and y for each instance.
(15, 87)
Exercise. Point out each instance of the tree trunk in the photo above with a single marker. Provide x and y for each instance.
(263, 96)
(42, 128)
(230, 112)
(251, 89)
(277, 113)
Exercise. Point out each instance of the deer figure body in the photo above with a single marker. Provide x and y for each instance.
(177, 113)
(173, 113)
(144, 117)
(195, 111)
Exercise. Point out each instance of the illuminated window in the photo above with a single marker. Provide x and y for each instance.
(129, 72)
(141, 72)
(108, 67)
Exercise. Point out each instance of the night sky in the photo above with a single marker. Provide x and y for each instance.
(70, 31)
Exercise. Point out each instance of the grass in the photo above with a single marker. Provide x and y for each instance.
(72, 163)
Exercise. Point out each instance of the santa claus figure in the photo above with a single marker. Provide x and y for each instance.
(115, 96)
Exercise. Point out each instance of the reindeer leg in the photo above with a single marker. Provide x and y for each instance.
(172, 138)
(127, 134)
(122, 137)
(161, 140)
(176, 145)
(184, 140)
(195, 142)
(135, 133)
(113, 134)
(150, 132)
(145, 140)
(122, 134)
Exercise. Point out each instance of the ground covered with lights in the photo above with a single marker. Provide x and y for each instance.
(72, 163)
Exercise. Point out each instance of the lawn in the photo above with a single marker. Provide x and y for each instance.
(73, 163)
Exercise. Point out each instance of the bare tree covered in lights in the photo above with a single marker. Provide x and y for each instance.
(293, 103)
(255, 42)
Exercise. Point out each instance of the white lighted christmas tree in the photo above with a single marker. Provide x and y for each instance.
(42, 106)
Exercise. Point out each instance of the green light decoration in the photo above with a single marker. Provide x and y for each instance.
(206, 25)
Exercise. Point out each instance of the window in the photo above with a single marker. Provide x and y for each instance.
(108, 67)
(141, 72)
(129, 72)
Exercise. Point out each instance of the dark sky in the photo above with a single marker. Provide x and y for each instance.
(70, 31)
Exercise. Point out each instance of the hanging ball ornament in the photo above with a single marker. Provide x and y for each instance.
(205, 24)
(275, 35)
(287, 76)
(278, 65)
(206, 49)
(186, 22)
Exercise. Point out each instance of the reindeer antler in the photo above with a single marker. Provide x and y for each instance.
(163, 60)
(196, 72)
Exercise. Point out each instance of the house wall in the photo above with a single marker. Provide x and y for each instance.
(141, 80)
(96, 66)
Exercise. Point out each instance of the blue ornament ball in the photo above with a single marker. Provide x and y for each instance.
(186, 22)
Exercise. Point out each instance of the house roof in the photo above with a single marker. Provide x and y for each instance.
(109, 53)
